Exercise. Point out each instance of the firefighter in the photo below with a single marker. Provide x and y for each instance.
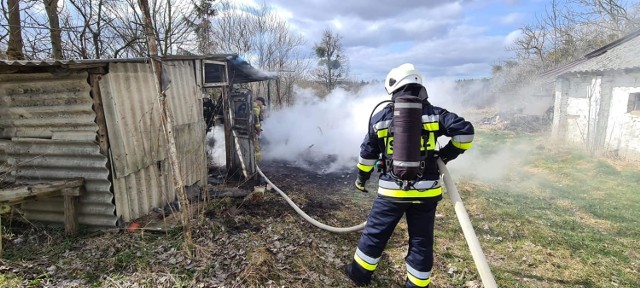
(258, 113)
(418, 201)
(207, 111)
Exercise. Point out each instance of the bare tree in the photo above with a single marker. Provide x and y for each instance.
(93, 29)
(263, 38)
(126, 37)
(85, 31)
(332, 61)
(15, 45)
(531, 43)
(4, 29)
(51, 7)
(232, 29)
(571, 28)
(201, 24)
(610, 15)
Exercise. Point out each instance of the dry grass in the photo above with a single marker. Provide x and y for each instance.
(546, 225)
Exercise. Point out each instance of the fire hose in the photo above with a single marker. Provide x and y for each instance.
(463, 217)
(306, 216)
(467, 229)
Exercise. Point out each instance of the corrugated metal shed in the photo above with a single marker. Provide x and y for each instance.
(49, 128)
(5, 168)
(621, 54)
(52, 128)
(142, 178)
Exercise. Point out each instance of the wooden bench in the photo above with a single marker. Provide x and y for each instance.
(69, 189)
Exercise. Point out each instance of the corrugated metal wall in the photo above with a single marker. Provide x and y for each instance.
(49, 131)
(142, 177)
(5, 168)
(185, 99)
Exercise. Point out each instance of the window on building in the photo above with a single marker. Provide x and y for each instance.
(634, 103)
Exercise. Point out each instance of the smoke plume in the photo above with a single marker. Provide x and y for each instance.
(324, 134)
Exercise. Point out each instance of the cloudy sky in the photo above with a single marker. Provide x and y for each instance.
(452, 39)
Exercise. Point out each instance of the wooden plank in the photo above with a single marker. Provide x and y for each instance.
(76, 191)
(19, 194)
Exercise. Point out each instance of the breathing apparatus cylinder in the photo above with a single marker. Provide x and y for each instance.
(407, 133)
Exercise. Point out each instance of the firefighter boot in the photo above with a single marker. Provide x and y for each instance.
(409, 284)
(358, 276)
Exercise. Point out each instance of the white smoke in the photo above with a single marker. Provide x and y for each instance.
(324, 134)
(316, 132)
(490, 167)
(326, 131)
(215, 146)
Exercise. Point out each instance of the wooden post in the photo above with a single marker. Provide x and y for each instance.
(167, 123)
(70, 215)
(228, 138)
(71, 209)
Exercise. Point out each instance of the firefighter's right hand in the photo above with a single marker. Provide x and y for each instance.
(360, 186)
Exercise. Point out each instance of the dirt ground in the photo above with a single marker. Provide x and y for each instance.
(256, 241)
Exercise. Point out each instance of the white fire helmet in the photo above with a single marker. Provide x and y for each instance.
(400, 76)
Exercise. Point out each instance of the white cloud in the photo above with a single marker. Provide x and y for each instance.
(512, 37)
(337, 24)
(445, 38)
(248, 3)
(513, 18)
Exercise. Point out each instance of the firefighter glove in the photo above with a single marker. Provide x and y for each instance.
(448, 153)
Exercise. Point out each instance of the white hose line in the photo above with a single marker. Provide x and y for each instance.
(463, 217)
(307, 217)
(469, 234)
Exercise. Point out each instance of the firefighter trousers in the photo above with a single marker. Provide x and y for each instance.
(382, 220)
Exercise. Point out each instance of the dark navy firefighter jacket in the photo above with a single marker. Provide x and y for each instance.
(436, 122)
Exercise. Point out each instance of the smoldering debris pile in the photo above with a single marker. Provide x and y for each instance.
(517, 121)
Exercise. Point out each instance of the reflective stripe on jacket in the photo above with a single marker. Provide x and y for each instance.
(436, 122)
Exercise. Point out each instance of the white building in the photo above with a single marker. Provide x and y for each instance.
(597, 99)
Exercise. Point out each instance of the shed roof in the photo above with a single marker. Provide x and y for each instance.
(239, 68)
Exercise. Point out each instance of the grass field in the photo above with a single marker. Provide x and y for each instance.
(554, 217)
(562, 219)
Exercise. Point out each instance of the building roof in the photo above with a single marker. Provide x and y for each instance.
(240, 69)
(618, 55)
(550, 75)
